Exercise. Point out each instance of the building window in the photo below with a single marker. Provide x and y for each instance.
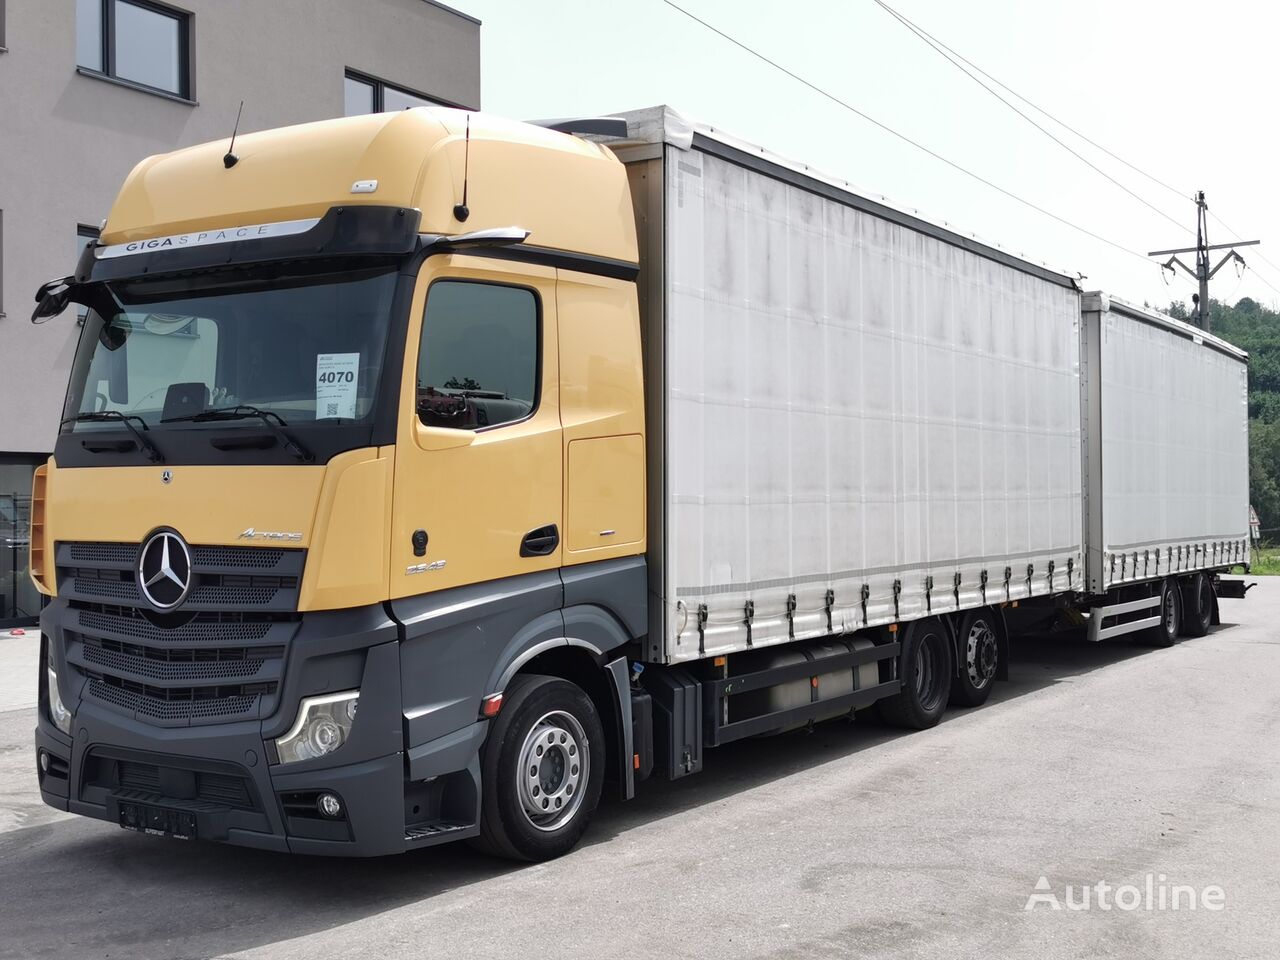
(136, 41)
(478, 360)
(363, 94)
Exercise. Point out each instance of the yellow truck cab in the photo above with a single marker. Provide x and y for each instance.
(423, 474)
(304, 373)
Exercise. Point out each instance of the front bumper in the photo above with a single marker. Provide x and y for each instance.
(223, 780)
(384, 813)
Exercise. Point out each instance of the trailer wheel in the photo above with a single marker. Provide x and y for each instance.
(926, 670)
(1197, 605)
(978, 656)
(1165, 633)
(542, 770)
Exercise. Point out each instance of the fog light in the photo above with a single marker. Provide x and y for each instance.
(329, 806)
(44, 762)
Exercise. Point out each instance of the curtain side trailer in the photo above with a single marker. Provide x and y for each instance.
(423, 473)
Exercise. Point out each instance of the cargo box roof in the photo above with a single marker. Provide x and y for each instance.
(663, 125)
(1102, 302)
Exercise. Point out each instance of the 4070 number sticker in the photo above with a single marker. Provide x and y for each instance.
(337, 385)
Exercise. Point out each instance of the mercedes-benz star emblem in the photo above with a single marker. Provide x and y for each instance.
(164, 570)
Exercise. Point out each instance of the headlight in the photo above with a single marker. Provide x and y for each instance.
(58, 711)
(323, 725)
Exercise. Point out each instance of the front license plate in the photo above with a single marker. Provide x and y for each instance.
(158, 821)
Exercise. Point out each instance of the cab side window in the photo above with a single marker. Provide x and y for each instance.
(478, 362)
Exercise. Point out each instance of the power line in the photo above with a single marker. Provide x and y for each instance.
(903, 137)
(1181, 194)
(936, 46)
(1239, 236)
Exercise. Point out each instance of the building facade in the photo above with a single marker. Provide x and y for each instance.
(90, 87)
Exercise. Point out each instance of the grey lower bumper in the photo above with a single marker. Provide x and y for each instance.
(83, 777)
(222, 781)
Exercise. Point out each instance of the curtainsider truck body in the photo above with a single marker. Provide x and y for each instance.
(423, 474)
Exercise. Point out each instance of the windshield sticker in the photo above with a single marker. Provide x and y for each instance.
(337, 377)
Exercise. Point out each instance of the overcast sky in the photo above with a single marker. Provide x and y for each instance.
(1184, 90)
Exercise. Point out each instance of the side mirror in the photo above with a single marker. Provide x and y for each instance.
(51, 299)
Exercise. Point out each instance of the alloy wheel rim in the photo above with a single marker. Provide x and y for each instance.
(980, 654)
(554, 767)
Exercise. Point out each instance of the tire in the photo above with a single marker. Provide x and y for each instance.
(1197, 605)
(926, 670)
(545, 752)
(1165, 633)
(977, 659)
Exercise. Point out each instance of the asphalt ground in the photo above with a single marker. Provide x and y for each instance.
(1093, 764)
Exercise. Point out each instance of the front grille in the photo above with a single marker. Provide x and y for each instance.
(202, 628)
(222, 578)
(96, 554)
(256, 558)
(218, 657)
(176, 704)
(185, 664)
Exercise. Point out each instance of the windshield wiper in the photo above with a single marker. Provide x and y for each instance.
(243, 411)
(115, 416)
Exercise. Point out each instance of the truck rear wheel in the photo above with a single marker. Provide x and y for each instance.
(926, 671)
(978, 655)
(1197, 605)
(542, 770)
(1165, 633)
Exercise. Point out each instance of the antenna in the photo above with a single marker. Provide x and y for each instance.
(230, 160)
(460, 211)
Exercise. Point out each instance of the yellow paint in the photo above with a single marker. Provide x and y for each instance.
(347, 562)
(206, 504)
(342, 511)
(476, 492)
(571, 193)
(577, 462)
(604, 497)
(602, 410)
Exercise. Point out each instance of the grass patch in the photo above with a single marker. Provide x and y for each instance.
(1266, 562)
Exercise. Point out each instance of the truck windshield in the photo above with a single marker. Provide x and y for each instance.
(306, 350)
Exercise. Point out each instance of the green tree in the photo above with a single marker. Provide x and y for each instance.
(1255, 328)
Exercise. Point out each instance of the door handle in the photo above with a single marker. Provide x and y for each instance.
(541, 542)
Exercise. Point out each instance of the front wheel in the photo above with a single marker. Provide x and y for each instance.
(542, 770)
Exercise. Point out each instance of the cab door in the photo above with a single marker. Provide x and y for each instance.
(479, 458)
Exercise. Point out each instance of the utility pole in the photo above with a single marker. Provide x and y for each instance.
(1202, 273)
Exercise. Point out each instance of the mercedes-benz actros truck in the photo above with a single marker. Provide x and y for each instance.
(423, 474)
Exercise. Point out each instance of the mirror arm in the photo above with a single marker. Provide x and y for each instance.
(495, 236)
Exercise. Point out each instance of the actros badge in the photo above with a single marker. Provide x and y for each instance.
(277, 535)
